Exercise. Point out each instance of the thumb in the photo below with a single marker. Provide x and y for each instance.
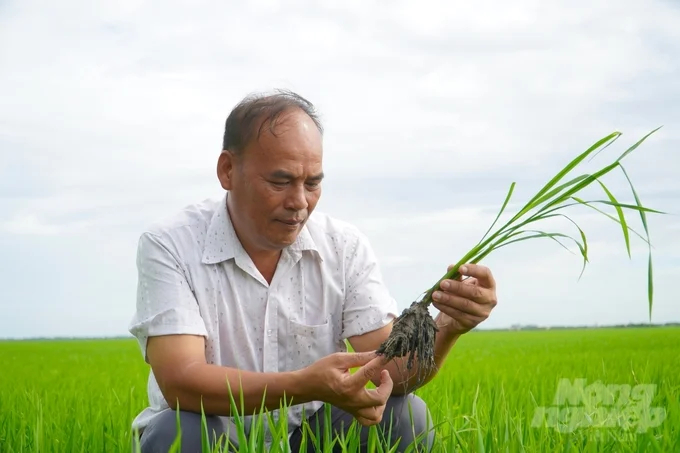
(386, 384)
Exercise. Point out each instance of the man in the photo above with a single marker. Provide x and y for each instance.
(255, 294)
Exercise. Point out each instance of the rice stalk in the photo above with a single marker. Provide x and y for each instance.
(414, 331)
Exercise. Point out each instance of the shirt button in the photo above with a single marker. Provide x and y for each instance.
(270, 332)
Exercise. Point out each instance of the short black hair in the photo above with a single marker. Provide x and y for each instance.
(240, 126)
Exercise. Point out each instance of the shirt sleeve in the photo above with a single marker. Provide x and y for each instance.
(368, 303)
(165, 302)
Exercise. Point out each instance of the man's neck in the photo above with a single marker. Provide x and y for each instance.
(265, 261)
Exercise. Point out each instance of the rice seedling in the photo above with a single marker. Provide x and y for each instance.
(414, 331)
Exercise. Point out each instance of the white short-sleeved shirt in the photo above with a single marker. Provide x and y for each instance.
(196, 278)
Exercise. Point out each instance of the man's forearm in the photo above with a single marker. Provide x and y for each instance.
(406, 381)
(210, 386)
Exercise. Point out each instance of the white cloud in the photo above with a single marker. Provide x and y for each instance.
(113, 113)
(29, 224)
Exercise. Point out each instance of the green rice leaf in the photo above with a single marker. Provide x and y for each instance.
(543, 234)
(622, 218)
(584, 248)
(650, 285)
(643, 217)
(558, 189)
(603, 148)
(634, 147)
(570, 166)
(628, 206)
(589, 205)
(579, 186)
(505, 203)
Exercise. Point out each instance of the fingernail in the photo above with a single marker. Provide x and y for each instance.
(445, 284)
(463, 269)
(436, 295)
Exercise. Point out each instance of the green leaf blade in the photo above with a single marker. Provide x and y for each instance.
(650, 273)
(505, 203)
(635, 146)
(622, 217)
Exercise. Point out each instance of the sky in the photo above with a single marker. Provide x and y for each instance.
(112, 114)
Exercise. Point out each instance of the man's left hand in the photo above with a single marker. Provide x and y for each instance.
(465, 304)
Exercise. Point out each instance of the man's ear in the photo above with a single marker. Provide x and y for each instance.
(225, 169)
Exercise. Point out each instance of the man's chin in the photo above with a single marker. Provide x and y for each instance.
(282, 241)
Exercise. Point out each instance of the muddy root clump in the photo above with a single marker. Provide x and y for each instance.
(413, 334)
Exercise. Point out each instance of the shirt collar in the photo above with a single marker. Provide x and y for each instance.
(222, 244)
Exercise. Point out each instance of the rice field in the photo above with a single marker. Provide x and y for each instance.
(595, 390)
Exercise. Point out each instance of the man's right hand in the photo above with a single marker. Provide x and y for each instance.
(329, 380)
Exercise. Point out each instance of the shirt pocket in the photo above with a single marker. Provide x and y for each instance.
(308, 343)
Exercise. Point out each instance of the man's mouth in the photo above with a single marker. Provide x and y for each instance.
(290, 222)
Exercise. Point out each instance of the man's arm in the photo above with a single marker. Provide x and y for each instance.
(186, 379)
(463, 306)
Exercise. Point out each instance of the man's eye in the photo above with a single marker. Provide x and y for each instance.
(279, 183)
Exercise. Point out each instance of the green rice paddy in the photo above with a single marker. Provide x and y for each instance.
(590, 390)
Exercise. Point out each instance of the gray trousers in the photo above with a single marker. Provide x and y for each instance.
(408, 416)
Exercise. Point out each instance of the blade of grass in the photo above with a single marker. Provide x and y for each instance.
(622, 217)
(587, 204)
(177, 443)
(505, 203)
(542, 234)
(205, 436)
(558, 189)
(628, 206)
(634, 147)
(643, 217)
(583, 248)
(603, 148)
(564, 171)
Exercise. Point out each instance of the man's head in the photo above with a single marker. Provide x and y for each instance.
(271, 164)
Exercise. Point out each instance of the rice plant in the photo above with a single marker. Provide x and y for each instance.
(414, 331)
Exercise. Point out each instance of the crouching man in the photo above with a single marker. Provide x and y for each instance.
(257, 293)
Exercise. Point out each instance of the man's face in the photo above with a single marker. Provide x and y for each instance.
(275, 184)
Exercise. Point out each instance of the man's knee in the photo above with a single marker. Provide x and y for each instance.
(411, 421)
(161, 433)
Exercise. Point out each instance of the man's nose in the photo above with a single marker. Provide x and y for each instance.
(297, 198)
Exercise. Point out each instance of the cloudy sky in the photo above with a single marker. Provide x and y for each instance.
(111, 116)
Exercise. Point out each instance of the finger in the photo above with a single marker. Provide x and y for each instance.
(386, 385)
(377, 396)
(461, 304)
(364, 421)
(355, 359)
(470, 281)
(369, 413)
(372, 414)
(368, 372)
(451, 266)
(465, 290)
(481, 273)
(464, 319)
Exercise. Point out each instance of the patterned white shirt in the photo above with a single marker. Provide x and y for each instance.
(196, 278)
